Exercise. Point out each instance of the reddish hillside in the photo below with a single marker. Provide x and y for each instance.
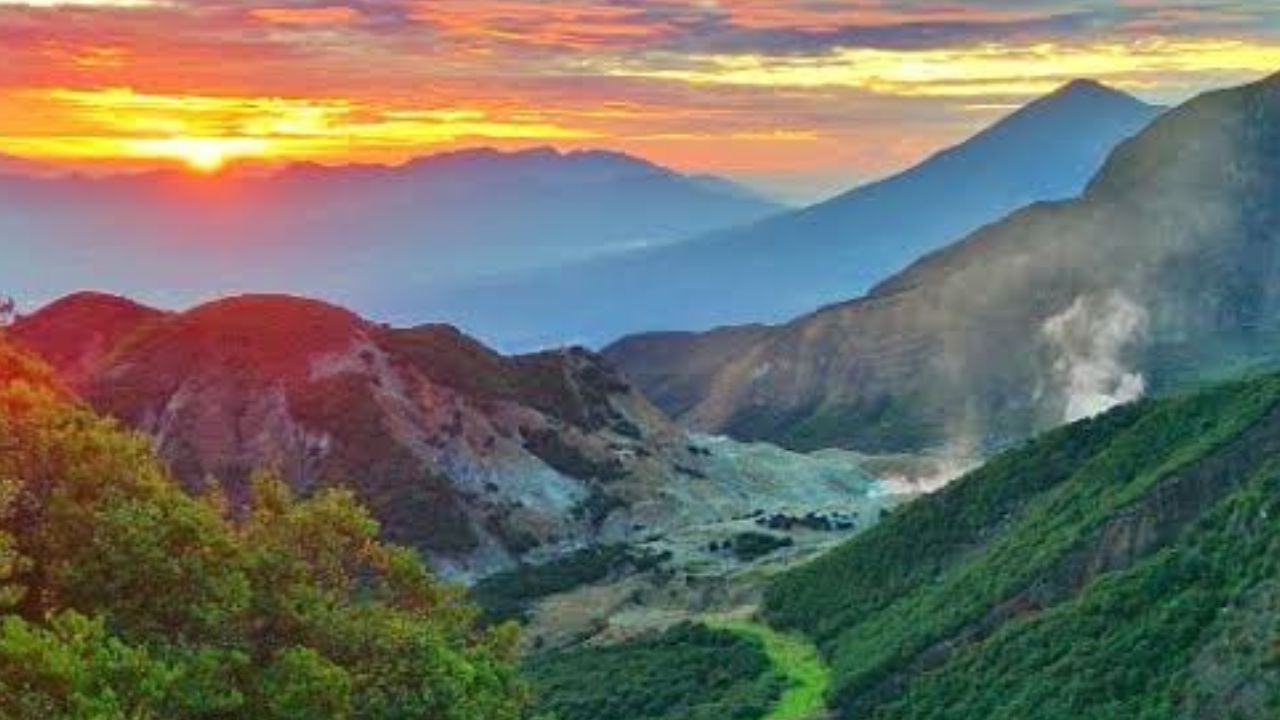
(473, 457)
(75, 333)
(17, 366)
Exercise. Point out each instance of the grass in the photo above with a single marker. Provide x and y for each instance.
(796, 660)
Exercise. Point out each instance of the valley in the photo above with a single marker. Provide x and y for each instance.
(1088, 554)
(431, 398)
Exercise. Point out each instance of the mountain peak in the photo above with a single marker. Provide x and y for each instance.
(1085, 85)
(1082, 103)
(1087, 97)
(1090, 89)
(91, 300)
(75, 332)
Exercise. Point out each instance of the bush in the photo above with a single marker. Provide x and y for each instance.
(121, 596)
(689, 673)
(507, 595)
(752, 545)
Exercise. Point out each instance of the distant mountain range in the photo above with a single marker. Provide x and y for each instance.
(794, 262)
(22, 167)
(1165, 272)
(375, 238)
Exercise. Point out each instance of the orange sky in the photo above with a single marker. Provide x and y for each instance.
(809, 92)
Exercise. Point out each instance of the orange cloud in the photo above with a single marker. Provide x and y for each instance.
(828, 16)
(706, 85)
(307, 17)
(87, 57)
(572, 25)
(207, 131)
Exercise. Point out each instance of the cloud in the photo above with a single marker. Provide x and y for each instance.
(984, 70)
(139, 126)
(566, 25)
(81, 3)
(327, 15)
(847, 88)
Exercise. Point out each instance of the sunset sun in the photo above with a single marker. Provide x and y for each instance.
(204, 155)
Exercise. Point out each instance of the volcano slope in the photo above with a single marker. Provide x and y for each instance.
(1161, 275)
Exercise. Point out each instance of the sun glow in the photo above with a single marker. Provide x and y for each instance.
(206, 132)
(203, 155)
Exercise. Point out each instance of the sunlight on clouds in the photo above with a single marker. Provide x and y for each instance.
(82, 3)
(206, 132)
(822, 85)
(201, 154)
(308, 16)
(984, 70)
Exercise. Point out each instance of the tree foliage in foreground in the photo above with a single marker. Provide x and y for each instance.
(123, 597)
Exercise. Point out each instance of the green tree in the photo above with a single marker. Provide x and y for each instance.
(123, 597)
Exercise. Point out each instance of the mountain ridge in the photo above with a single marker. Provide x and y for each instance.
(478, 460)
(374, 238)
(1156, 277)
(787, 264)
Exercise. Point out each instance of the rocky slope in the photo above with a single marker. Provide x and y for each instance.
(780, 267)
(1163, 273)
(478, 459)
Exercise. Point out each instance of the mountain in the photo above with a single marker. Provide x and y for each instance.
(10, 165)
(478, 460)
(791, 263)
(1124, 566)
(375, 238)
(1162, 274)
(76, 333)
(18, 365)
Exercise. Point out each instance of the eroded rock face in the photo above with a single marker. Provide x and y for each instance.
(479, 460)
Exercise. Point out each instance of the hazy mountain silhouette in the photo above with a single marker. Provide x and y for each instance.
(353, 234)
(797, 261)
(1162, 274)
(10, 165)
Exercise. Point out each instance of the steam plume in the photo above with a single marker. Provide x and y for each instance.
(1091, 340)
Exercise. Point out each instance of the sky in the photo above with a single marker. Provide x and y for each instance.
(800, 96)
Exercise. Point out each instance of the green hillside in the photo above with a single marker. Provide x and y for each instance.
(1120, 567)
(691, 672)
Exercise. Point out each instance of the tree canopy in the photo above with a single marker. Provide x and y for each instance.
(123, 597)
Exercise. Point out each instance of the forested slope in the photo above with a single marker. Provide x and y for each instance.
(1120, 567)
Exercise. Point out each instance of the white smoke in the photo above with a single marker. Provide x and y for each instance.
(1091, 340)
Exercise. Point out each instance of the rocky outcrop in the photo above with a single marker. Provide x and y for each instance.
(478, 459)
